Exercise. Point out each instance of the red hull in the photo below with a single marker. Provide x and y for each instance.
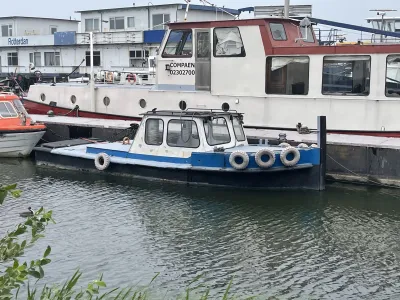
(42, 109)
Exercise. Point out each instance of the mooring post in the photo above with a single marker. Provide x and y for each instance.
(323, 152)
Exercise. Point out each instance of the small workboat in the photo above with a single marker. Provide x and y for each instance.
(194, 147)
(18, 132)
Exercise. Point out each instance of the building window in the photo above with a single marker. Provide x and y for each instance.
(117, 23)
(52, 59)
(160, 20)
(183, 133)
(278, 31)
(7, 110)
(228, 43)
(91, 25)
(12, 59)
(287, 75)
(346, 75)
(131, 22)
(392, 88)
(137, 58)
(53, 29)
(154, 134)
(307, 34)
(96, 58)
(6, 30)
(217, 132)
(179, 44)
(35, 58)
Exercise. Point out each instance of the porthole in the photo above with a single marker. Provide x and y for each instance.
(43, 97)
(225, 106)
(73, 99)
(106, 101)
(142, 103)
(182, 105)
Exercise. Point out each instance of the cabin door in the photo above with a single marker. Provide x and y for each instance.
(203, 60)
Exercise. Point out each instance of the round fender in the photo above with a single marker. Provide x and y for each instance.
(265, 153)
(284, 156)
(302, 145)
(102, 161)
(284, 145)
(243, 160)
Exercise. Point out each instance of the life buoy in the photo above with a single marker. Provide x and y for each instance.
(284, 145)
(242, 156)
(131, 78)
(261, 162)
(102, 161)
(284, 156)
(302, 145)
(126, 141)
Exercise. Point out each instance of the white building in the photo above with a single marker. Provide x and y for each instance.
(123, 38)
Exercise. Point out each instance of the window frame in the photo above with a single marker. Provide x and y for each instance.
(9, 28)
(127, 22)
(348, 94)
(311, 32)
(87, 58)
(241, 129)
(32, 58)
(215, 40)
(145, 132)
(266, 74)
(165, 55)
(55, 59)
(94, 29)
(11, 116)
(284, 31)
(180, 120)
(53, 27)
(386, 73)
(115, 23)
(227, 127)
(11, 56)
(163, 25)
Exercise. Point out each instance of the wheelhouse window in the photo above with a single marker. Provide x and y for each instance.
(12, 58)
(7, 110)
(52, 59)
(160, 20)
(117, 23)
(217, 132)
(392, 88)
(179, 44)
(287, 75)
(91, 25)
(346, 75)
(20, 107)
(278, 31)
(238, 129)
(96, 58)
(183, 133)
(228, 43)
(154, 134)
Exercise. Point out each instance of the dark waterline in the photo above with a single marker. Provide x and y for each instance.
(340, 244)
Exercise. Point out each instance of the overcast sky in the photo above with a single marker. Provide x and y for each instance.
(350, 11)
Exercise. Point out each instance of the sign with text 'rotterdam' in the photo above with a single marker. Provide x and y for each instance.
(26, 41)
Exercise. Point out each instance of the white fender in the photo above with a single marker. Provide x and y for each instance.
(314, 146)
(286, 152)
(284, 145)
(102, 161)
(302, 145)
(265, 164)
(243, 156)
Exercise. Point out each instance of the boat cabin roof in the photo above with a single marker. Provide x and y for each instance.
(203, 114)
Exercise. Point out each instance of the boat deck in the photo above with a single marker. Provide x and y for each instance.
(335, 139)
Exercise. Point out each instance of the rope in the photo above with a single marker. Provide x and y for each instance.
(358, 175)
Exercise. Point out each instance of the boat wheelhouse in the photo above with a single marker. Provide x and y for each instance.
(271, 69)
(194, 147)
(18, 133)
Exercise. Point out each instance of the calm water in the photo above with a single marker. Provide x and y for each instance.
(340, 244)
